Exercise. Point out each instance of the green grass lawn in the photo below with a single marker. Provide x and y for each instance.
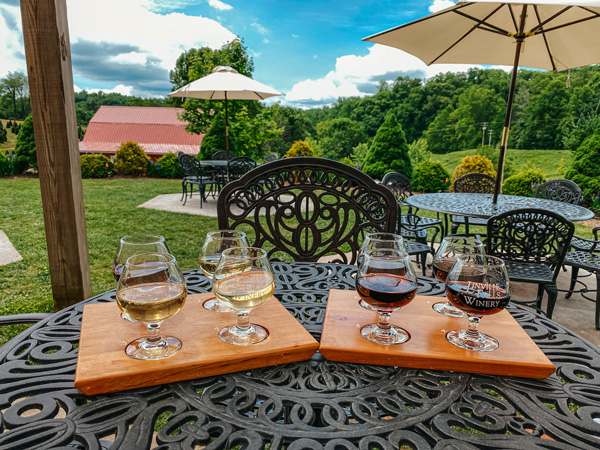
(111, 208)
(547, 160)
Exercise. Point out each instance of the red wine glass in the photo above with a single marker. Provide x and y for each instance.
(445, 257)
(386, 280)
(479, 286)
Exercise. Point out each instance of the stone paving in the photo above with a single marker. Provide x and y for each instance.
(8, 253)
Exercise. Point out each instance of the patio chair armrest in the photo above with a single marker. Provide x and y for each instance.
(19, 319)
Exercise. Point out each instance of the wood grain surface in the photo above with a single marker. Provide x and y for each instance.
(103, 366)
(428, 348)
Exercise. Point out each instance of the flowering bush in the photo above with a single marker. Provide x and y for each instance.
(166, 166)
(6, 165)
(96, 166)
(524, 183)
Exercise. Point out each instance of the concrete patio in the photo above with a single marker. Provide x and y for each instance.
(576, 313)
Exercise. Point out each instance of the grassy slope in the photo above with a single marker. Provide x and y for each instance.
(547, 160)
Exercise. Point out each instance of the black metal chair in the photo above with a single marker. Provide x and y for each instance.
(240, 166)
(270, 158)
(559, 190)
(194, 174)
(533, 244)
(413, 228)
(221, 155)
(472, 183)
(306, 208)
(586, 257)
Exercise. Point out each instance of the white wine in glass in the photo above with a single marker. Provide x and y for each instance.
(244, 279)
(210, 254)
(150, 290)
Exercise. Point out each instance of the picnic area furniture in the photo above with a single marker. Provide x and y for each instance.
(559, 190)
(472, 183)
(305, 208)
(195, 174)
(310, 404)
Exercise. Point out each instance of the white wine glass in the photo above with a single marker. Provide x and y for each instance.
(379, 240)
(386, 280)
(244, 279)
(151, 289)
(135, 244)
(210, 254)
(478, 285)
(451, 248)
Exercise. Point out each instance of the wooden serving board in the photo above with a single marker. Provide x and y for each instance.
(428, 348)
(103, 366)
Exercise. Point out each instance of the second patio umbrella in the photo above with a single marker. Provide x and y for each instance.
(225, 83)
(544, 34)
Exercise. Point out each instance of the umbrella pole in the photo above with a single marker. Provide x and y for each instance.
(227, 134)
(511, 94)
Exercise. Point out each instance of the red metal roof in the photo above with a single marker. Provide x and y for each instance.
(157, 130)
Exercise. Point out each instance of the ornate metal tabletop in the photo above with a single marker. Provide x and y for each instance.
(480, 205)
(314, 404)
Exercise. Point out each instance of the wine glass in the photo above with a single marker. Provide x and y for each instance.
(387, 281)
(479, 286)
(378, 240)
(244, 278)
(214, 244)
(134, 244)
(445, 257)
(151, 289)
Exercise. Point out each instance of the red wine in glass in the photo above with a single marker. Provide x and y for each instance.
(117, 271)
(478, 299)
(383, 291)
(441, 269)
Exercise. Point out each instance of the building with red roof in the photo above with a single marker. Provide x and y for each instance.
(157, 130)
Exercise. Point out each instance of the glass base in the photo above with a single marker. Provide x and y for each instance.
(480, 343)
(143, 349)
(365, 305)
(216, 305)
(448, 309)
(235, 335)
(374, 333)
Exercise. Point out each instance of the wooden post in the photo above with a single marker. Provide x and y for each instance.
(46, 37)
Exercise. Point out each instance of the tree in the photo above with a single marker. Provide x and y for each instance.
(299, 148)
(25, 155)
(295, 126)
(585, 170)
(3, 137)
(389, 151)
(214, 139)
(15, 85)
(338, 137)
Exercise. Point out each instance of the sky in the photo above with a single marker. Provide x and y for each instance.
(310, 50)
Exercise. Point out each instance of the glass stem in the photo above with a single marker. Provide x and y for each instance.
(473, 331)
(243, 320)
(384, 325)
(153, 332)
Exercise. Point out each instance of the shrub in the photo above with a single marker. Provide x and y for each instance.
(474, 164)
(418, 152)
(300, 148)
(389, 151)
(214, 139)
(96, 166)
(167, 166)
(25, 155)
(131, 159)
(493, 154)
(585, 170)
(524, 183)
(430, 176)
(6, 165)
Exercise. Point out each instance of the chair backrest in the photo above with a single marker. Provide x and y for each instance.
(399, 184)
(306, 208)
(475, 183)
(190, 166)
(239, 166)
(560, 190)
(270, 158)
(222, 155)
(530, 235)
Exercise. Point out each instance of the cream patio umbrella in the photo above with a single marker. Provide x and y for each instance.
(543, 34)
(222, 84)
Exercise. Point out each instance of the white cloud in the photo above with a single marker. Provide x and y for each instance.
(258, 27)
(265, 41)
(438, 5)
(295, 36)
(217, 4)
(12, 53)
(119, 89)
(359, 75)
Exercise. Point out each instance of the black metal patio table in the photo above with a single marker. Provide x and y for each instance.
(308, 405)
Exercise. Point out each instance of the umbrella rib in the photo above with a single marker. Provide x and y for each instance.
(479, 22)
(541, 27)
(482, 23)
(558, 27)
